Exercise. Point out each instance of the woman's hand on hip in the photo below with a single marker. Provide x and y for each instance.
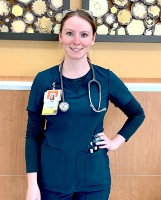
(110, 144)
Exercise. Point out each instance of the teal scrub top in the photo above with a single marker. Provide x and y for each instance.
(65, 163)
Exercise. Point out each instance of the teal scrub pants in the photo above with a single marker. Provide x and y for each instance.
(98, 195)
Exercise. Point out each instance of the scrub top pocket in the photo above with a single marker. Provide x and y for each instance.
(52, 167)
(92, 168)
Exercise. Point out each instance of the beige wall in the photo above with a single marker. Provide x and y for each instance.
(133, 60)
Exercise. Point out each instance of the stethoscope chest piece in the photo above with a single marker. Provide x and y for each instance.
(64, 106)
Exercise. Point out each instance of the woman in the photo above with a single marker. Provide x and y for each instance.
(66, 147)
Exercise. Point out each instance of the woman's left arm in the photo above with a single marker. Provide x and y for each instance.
(135, 117)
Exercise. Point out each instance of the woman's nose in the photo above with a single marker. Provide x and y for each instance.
(76, 40)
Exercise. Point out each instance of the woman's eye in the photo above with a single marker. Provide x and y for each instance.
(69, 33)
(84, 35)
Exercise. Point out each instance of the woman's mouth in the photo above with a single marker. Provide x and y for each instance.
(76, 49)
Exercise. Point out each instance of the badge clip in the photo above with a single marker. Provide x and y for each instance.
(53, 84)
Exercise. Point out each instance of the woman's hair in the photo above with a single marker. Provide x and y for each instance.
(82, 14)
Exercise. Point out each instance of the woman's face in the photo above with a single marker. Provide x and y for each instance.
(76, 37)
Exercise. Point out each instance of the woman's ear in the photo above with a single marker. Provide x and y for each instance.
(94, 38)
(60, 38)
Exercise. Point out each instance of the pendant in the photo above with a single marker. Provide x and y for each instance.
(64, 106)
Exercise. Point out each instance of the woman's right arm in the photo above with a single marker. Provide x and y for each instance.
(34, 134)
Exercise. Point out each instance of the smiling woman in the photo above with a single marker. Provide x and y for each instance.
(76, 37)
(64, 159)
(77, 34)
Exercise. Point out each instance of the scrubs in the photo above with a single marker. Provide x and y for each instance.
(97, 195)
(64, 162)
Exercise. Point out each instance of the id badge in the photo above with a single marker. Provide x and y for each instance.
(51, 102)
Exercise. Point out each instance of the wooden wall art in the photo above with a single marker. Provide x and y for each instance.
(126, 20)
(31, 19)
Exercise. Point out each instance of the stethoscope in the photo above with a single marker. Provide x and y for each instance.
(64, 106)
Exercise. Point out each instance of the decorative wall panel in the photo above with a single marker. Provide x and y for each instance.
(31, 19)
(126, 20)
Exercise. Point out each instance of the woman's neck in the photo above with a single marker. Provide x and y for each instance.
(75, 68)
